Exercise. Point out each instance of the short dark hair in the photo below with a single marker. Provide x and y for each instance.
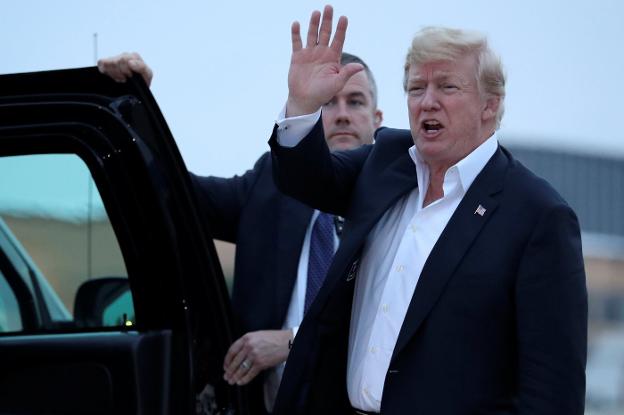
(349, 58)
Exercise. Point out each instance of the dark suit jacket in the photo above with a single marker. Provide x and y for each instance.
(268, 229)
(498, 321)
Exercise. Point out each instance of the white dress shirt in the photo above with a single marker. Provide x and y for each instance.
(393, 257)
(294, 316)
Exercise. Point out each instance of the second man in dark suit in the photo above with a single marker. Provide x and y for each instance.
(273, 235)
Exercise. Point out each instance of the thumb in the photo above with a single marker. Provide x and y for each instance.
(348, 71)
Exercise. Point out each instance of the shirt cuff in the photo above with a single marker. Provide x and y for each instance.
(291, 130)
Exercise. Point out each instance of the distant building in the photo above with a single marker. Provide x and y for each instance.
(593, 185)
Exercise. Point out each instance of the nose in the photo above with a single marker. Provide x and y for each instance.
(343, 116)
(429, 101)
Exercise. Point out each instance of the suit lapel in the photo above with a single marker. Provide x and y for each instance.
(293, 221)
(471, 215)
(378, 193)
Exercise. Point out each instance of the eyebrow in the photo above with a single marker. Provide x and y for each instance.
(356, 94)
(437, 76)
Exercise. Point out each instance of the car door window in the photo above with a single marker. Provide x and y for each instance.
(56, 237)
(9, 311)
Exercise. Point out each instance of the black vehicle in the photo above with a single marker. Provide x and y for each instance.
(146, 336)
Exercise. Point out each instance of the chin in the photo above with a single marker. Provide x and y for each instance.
(431, 151)
(343, 145)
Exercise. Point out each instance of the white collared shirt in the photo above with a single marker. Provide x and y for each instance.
(392, 259)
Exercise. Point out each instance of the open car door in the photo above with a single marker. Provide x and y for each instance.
(112, 299)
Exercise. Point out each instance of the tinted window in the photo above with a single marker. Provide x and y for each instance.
(10, 319)
(55, 236)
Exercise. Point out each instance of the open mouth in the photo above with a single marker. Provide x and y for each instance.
(431, 126)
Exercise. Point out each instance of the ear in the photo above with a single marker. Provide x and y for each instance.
(377, 118)
(490, 108)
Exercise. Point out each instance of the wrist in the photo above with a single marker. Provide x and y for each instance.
(296, 108)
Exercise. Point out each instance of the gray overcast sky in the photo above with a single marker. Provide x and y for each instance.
(220, 67)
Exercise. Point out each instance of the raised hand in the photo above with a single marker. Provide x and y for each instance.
(315, 74)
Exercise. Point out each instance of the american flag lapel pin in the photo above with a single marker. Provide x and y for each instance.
(480, 211)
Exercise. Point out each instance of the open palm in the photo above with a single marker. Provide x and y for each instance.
(315, 74)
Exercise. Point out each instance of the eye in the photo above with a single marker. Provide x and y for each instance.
(449, 87)
(355, 102)
(416, 91)
(329, 103)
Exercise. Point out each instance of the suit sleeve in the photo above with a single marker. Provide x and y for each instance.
(310, 173)
(222, 200)
(551, 301)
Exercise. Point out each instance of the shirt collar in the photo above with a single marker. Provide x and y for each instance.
(468, 168)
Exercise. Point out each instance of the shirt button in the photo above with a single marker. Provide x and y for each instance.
(400, 268)
(373, 350)
(385, 308)
(414, 228)
(365, 390)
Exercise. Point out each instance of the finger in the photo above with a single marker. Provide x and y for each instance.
(102, 65)
(248, 377)
(138, 66)
(313, 28)
(109, 68)
(326, 26)
(122, 66)
(348, 71)
(295, 35)
(235, 363)
(234, 349)
(240, 372)
(114, 67)
(339, 36)
(235, 370)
